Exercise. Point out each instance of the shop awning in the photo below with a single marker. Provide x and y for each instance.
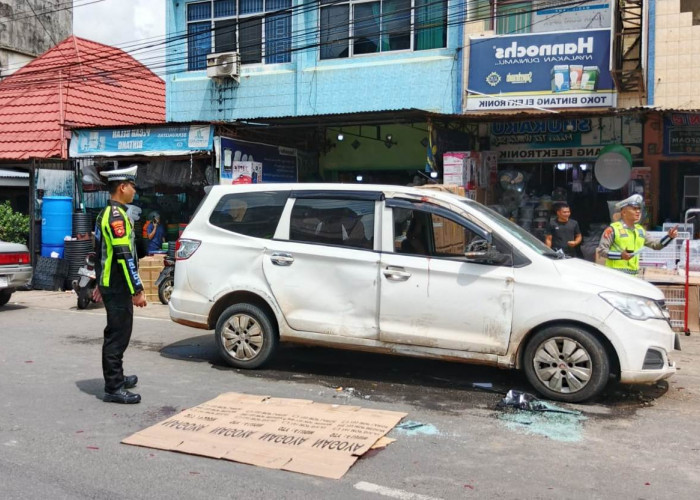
(173, 140)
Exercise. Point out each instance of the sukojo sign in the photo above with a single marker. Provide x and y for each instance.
(549, 70)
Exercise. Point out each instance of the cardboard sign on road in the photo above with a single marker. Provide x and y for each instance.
(290, 434)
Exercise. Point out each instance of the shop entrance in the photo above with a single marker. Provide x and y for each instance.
(679, 189)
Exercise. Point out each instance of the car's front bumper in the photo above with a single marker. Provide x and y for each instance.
(636, 342)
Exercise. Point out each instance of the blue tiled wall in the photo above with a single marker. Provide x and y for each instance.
(426, 79)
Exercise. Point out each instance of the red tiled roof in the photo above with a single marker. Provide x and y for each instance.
(78, 83)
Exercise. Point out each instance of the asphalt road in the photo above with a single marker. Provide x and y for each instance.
(59, 440)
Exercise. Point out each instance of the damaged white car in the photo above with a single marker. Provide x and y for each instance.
(414, 272)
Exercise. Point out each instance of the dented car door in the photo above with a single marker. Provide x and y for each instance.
(324, 276)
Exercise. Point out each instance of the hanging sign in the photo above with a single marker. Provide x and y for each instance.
(142, 141)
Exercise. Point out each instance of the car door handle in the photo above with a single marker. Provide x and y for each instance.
(282, 259)
(394, 273)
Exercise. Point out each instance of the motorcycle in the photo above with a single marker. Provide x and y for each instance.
(85, 285)
(166, 280)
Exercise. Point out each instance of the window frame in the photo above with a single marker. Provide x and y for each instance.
(238, 18)
(342, 201)
(382, 34)
(226, 200)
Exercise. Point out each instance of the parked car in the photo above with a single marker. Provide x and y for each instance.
(15, 269)
(414, 272)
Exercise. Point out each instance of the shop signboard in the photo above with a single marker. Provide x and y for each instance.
(142, 141)
(252, 162)
(541, 71)
(545, 141)
(682, 134)
(573, 16)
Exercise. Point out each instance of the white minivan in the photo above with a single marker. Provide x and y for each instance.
(413, 272)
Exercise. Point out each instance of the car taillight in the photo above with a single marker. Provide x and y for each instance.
(184, 249)
(14, 258)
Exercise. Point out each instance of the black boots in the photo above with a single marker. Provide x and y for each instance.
(122, 395)
(130, 381)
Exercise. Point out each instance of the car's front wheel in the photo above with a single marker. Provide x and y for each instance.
(246, 336)
(566, 363)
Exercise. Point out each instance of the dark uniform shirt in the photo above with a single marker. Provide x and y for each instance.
(116, 265)
(562, 233)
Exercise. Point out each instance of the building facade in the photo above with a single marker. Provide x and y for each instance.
(29, 28)
(354, 81)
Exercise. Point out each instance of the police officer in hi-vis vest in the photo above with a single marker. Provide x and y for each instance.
(623, 240)
(118, 282)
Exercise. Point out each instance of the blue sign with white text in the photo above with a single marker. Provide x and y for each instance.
(545, 70)
(147, 141)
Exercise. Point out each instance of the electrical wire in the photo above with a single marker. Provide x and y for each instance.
(155, 44)
(136, 46)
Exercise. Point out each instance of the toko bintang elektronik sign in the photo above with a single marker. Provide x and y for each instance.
(542, 70)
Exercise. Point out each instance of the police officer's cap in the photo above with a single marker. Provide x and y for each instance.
(635, 201)
(127, 174)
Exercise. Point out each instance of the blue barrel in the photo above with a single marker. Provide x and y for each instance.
(56, 219)
(47, 249)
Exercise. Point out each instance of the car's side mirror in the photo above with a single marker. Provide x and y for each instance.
(488, 256)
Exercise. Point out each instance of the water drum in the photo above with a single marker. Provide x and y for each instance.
(47, 250)
(56, 219)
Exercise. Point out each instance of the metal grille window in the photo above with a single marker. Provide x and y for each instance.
(357, 27)
(254, 28)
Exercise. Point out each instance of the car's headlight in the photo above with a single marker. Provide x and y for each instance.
(634, 306)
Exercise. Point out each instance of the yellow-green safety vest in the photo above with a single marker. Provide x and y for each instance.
(631, 240)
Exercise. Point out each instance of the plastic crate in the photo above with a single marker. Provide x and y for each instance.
(44, 282)
(48, 266)
(677, 319)
(666, 257)
(674, 295)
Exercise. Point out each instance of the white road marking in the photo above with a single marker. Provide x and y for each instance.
(391, 492)
(103, 314)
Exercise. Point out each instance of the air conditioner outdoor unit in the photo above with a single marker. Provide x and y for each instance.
(223, 65)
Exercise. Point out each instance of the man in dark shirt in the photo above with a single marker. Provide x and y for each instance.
(563, 233)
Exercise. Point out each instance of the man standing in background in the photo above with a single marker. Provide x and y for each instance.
(563, 233)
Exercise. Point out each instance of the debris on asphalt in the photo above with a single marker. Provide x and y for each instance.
(412, 427)
(525, 413)
(526, 401)
(482, 385)
(409, 425)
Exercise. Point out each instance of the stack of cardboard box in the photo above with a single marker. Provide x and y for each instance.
(149, 270)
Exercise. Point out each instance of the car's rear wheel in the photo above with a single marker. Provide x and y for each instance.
(566, 363)
(5, 296)
(246, 336)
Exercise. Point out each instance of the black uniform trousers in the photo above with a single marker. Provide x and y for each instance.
(120, 320)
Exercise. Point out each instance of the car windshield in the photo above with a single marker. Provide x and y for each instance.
(513, 229)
